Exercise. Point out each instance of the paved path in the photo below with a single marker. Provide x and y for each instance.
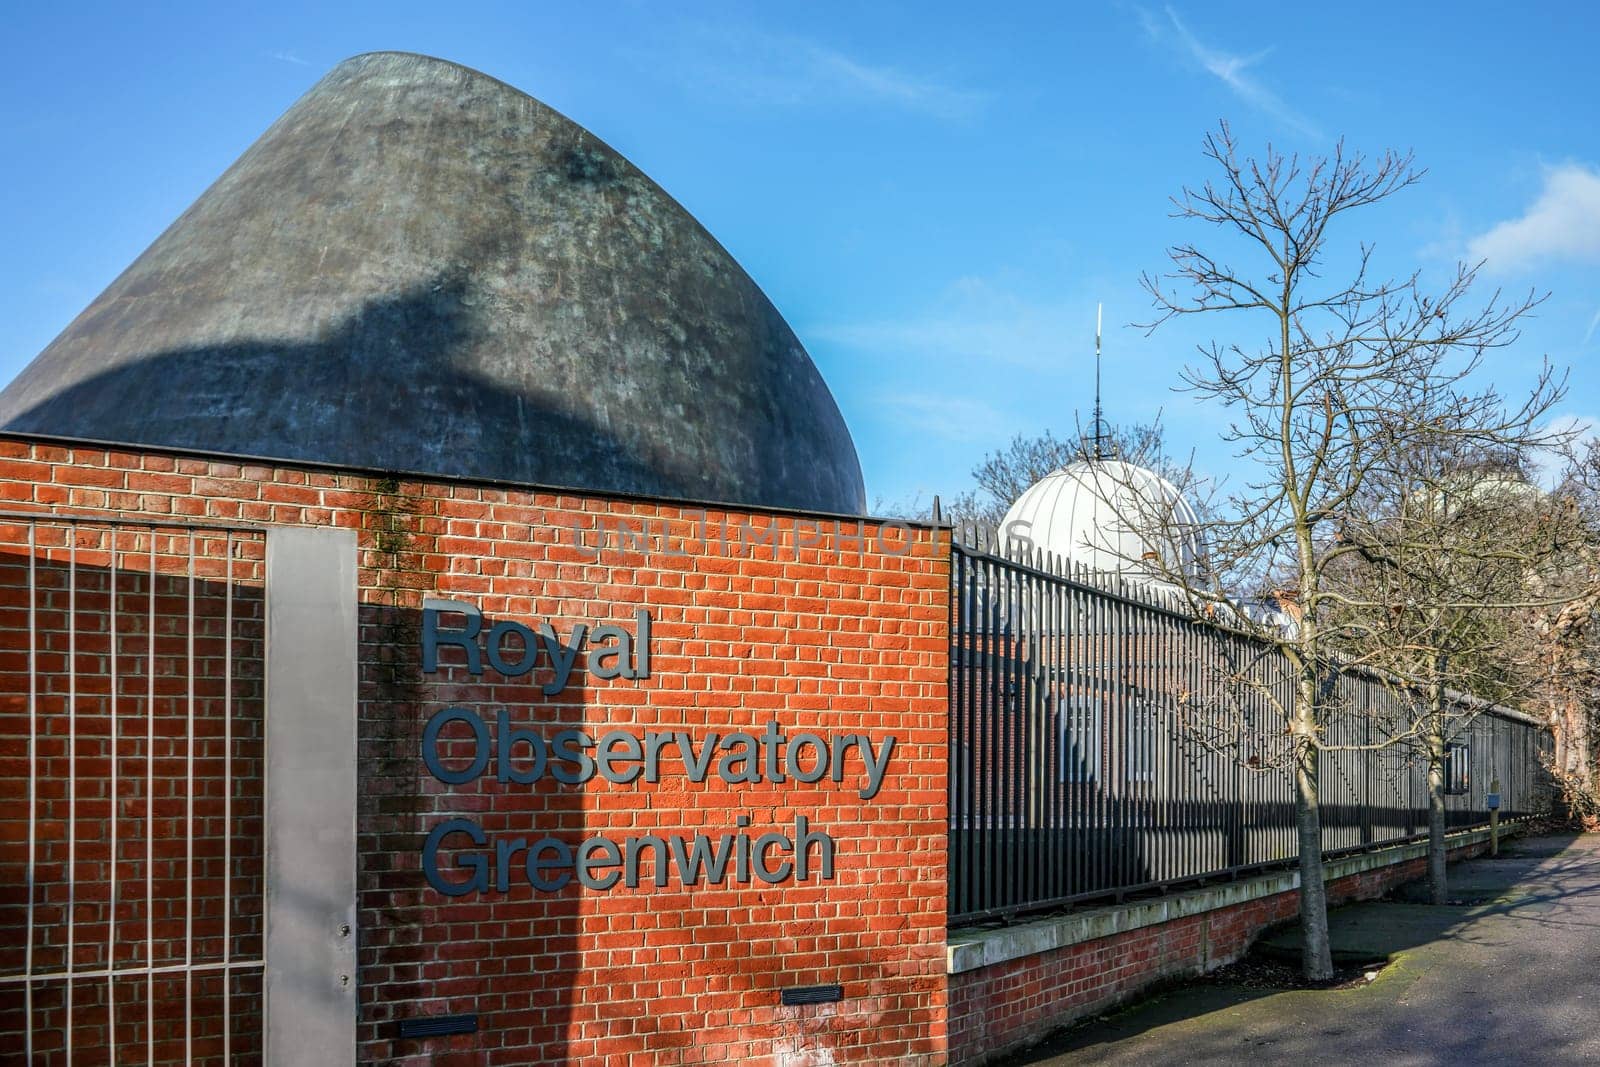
(1510, 977)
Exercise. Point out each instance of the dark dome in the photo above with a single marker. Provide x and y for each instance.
(418, 268)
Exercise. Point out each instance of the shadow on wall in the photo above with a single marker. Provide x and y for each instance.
(381, 391)
(392, 388)
(450, 924)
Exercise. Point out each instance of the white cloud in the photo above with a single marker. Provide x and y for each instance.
(1232, 70)
(1579, 432)
(889, 85)
(1563, 223)
(749, 66)
(951, 417)
(974, 324)
(287, 57)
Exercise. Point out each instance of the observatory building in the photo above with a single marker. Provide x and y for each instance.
(421, 269)
(433, 440)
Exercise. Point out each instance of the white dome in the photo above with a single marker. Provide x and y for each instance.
(1108, 516)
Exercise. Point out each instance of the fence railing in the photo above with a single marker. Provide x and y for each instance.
(1103, 742)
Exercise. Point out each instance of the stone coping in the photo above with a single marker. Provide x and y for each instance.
(971, 950)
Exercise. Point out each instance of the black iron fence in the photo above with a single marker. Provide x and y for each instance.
(1103, 742)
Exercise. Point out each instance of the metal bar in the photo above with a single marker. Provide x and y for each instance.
(33, 775)
(964, 733)
(1117, 761)
(150, 812)
(1080, 695)
(952, 727)
(1161, 756)
(1028, 722)
(1009, 712)
(962, 661)
(975, 725)
(111, 919)
(72, 777)
(1069, 702)
(977, 756)
(67, 519)
(961, 665)
(1051, 756)
(123, 972)
(992, 757)
(1016, 747)
(227, 798)
(1102, 689)
(1045, 628)
(188, 830)
(1240, 844)
(1119, 752)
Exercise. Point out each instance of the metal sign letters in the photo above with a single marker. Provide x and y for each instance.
(461, 746)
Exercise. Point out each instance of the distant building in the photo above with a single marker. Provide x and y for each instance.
(1108, 517)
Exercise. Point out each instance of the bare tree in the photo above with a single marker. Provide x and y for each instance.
(1338, 380)
(1555, 649)
(1449, 546)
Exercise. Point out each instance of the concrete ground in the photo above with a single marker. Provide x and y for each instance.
(1508, 975)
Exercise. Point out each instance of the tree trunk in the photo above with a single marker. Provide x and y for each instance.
(1558, 730)
(1438, 879)
(1580, 760)
(1316, 956)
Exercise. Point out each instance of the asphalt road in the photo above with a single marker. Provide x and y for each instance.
(1508, 976)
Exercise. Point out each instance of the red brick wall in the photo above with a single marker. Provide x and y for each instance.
(832, 638)
(999, 1008)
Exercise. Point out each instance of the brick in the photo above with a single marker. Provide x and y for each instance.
(684, 975)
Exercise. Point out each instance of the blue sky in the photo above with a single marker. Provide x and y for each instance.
(935, 196)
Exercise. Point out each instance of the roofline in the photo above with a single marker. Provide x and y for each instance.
(494, 483)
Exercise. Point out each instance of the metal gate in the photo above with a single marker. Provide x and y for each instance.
(132, 725)
(138, 870)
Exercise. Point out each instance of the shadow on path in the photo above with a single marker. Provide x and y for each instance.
(1505, 977)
